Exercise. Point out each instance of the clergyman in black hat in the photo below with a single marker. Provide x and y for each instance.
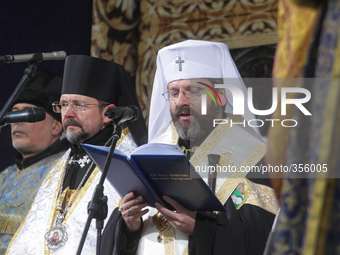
(38, 145)
(91, 87)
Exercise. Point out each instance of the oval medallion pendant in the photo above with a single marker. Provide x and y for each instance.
(57, 236)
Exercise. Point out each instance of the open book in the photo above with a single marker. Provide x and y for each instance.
(154, 170)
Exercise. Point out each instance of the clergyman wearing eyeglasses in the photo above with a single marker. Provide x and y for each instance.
(91, 86)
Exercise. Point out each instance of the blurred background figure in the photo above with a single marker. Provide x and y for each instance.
(38, 145)
(308, 222)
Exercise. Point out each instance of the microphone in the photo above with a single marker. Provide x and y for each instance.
(28, 115)
(55, 55)
(123, 114)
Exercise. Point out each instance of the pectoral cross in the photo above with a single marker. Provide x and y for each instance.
(179, 61)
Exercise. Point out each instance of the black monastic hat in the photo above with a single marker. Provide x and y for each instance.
(42, 90)
(105, 81)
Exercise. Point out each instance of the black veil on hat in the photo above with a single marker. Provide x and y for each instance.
(105, 81)
(42, 90)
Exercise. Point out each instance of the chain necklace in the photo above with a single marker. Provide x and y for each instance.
(57, 236)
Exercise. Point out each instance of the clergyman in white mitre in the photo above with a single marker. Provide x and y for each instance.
(183, 70)
(188, 60)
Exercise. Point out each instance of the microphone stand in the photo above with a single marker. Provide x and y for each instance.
(28, 73)
(97, 207)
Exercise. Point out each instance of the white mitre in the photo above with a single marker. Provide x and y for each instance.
(186, 60)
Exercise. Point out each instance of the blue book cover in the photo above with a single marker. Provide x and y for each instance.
(154, 170)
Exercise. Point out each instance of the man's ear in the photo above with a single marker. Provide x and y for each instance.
(224, 100)
(107, 120)
(57, 127)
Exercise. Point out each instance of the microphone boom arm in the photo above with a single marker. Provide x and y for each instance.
(34, 57)
(28, 73)
(33, 61)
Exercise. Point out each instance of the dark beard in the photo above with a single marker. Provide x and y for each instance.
(200, 128)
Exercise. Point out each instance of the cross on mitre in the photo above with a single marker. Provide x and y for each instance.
(179, 61)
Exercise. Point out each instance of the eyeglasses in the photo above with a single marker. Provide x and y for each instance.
(192, 93)
(77, 107)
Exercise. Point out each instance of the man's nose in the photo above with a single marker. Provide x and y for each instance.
(182, 100)
(68, 111)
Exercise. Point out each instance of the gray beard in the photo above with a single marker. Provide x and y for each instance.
(77, 138)
(198, 129)
(192, 133)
